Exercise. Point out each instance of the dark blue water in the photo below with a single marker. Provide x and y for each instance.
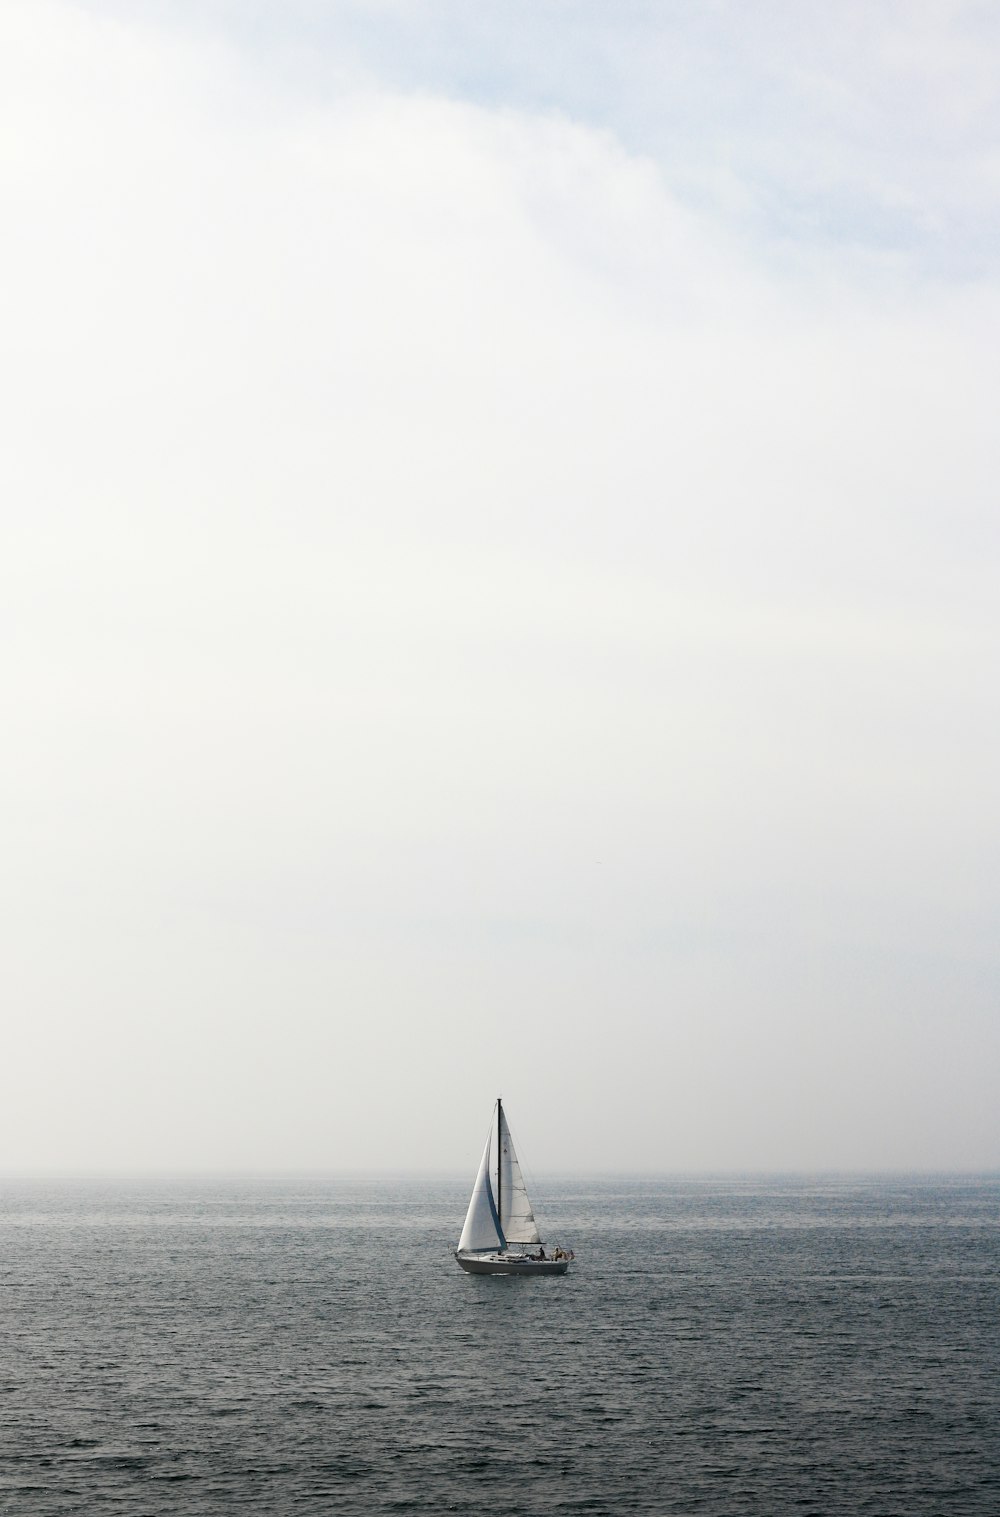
(311, 1347)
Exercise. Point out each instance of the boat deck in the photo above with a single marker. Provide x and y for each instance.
(510, 1264)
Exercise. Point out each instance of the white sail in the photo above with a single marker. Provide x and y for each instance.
(482, 1226)
(516, 1217)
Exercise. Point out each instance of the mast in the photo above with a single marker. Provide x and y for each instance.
(499, 1163)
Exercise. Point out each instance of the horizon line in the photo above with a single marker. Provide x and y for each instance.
(221, 1172)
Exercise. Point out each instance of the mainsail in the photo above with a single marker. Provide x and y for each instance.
(517, 1220)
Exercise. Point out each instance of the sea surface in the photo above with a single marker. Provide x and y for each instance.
(751, 1346)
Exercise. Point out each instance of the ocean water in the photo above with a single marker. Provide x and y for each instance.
(309, 1346)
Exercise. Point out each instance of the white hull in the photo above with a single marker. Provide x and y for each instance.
(510, 1264)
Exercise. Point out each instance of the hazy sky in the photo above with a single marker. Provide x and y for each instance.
(499, 583)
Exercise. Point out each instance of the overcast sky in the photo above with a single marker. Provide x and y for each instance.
(498, 584)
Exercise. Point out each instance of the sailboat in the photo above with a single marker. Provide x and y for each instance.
(500, 1225)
